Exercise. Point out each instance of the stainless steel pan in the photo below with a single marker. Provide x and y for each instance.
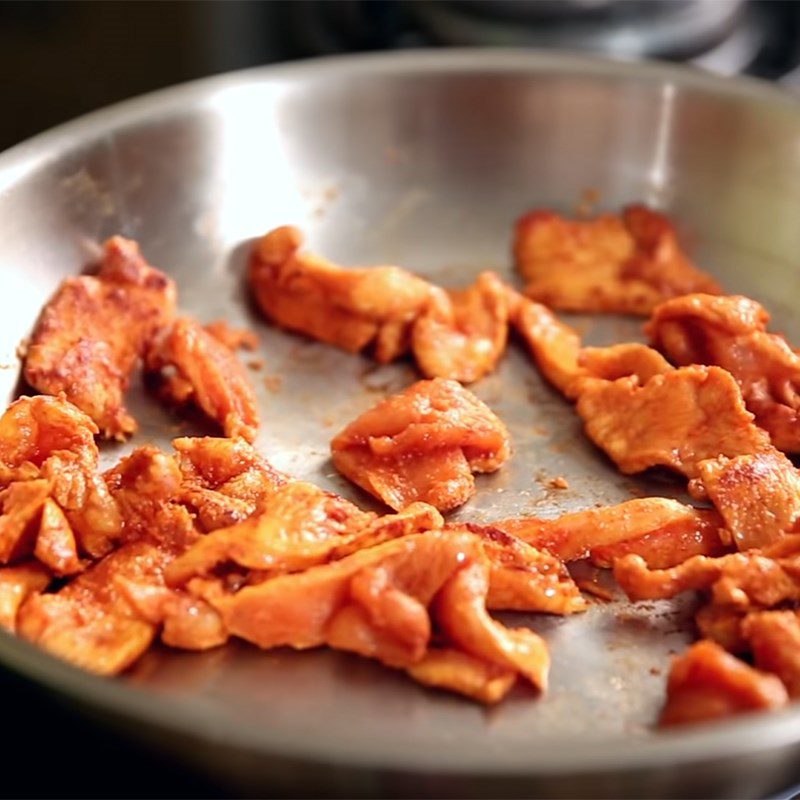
(423, 159)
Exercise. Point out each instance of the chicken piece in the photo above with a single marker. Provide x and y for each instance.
(730, 332)
(16, 585)
(350, 308)
(297, 527)
(97, 620)
(376, 603)
(224, 480)
(706, 683)
(83, 496)
(674, 420)
(233, 338)
(555, 347)
(445, 668)
(723, 625)
(522, 578)
(625, 264)
(576, 535)
(557, 350)
(758, 496)
(141, 484)
(774, 637)
(737, 580)
(422, 445)
(191, 365)
(56, 547)
(22, 504)
(94, 329)
(461, 335)
(700, 533)
(463, 618)
(33, 428)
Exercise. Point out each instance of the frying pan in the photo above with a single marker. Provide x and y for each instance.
(421, 159)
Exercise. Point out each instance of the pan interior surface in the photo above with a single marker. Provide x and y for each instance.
(424, 161)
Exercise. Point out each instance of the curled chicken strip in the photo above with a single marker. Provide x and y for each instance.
(191, 364)
(93, 331)
(422, 445)
(731, 332)
(596, 531)
(379, 602)
(706, 683)
(624, 264)
(461, 335)
(738, 580)
(350, 308)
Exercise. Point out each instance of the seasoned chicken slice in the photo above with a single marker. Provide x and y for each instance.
(626, 264)
(706, 683)
(192, 365)
(55, 502)
(642, 522)
(350, 308)
(522, 578)
(758, 496)
(33, 428)
(297, 527)
(461, 335)
(224, 480)
(737, 580)
(774, 638)
(422, 445)
(16, 585)
(107, 617)
(94, 329)
(378, 602)
(558, 352)
(731, 332)
(674, 420)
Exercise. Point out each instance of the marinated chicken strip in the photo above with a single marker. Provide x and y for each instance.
(737, 580)
(462, 615)
(626, 264)
(233, 338)
(723, 625)
(422, 445)
(557, 350)
(192, 365)
(699, 535)
(225, 481)
(757, 495)
(107, 617)
(461, 335)
(376, 603)
(522, 578)
(674, 420)
(298, 526)
(731, 332)
(16, 585)
(353, 309)
(774, 637)
(706, 683)
(34, 428)
(93, 331)
(576, 535)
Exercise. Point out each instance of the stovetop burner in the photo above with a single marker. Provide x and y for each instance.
(725, 36)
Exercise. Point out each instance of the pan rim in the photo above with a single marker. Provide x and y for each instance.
(722, 740)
